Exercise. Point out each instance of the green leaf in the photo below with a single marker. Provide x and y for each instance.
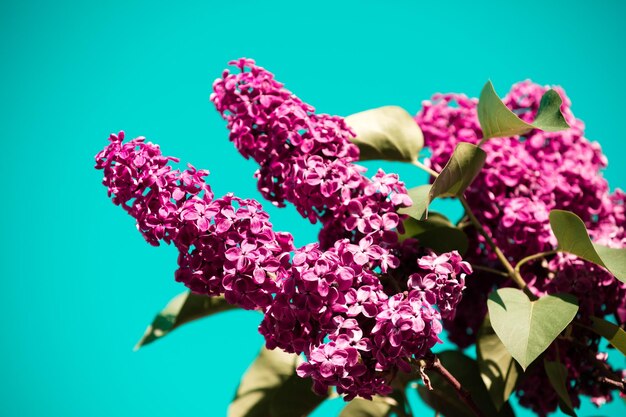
(526, 328)
(444, 398)
(419, 195)
(572, 235)
(436, 233)
(496, 120)
(389, 133)
(557, 374)
(614, 334)
(359, 407)
(270, 387)
(182, 309)
(497, 367)
(463, 166)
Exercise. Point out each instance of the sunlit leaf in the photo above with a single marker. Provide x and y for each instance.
(420, 198)
(497, 367)
(573, 237)
(445, 399)
(614, 334)
(270, 387)
(525, 327)
(496, 120)
(377, 407)
(389, 133)
(557, 374)
(182, 309)
(462, 168)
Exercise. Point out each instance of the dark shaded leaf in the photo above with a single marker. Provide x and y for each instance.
(525, 327)
(497, 367)
(573, 237)
(271, 388)
(359, 407)
(182, 309)
(557, 374)
(496, 120)
(614, 334)
(389, 133)
(444, 398)
(436, 233)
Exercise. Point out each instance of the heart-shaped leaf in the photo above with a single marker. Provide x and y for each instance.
(377, 407)
(525, 327)
(420, 198)
(497, 367)
(271, 387)
(462, 168)
(445, 400)
(182, 309)
(614, 334)
(572, 235)
(557, 375)
(389, 133)
(496, 120)
(436, 233)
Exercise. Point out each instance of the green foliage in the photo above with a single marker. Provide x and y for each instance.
(557, 375)
(444, 399)
(614, 334)
(378, 407)
(387, 133)
(496, 120)
(271, 388)
(463, 166)
(419, 195)
(436, 233)
(573, 237)
(182, 309)
(525, 327)
(497, 367)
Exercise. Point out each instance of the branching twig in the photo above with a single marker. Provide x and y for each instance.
(620, 385)
(433, 362)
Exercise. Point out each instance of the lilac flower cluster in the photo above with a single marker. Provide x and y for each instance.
(329, 304)
(525, 177)
(226, 245)
(306, 158)
(354, 334)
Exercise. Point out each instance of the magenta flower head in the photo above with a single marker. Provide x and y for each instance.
(226, 246)
(306, 158)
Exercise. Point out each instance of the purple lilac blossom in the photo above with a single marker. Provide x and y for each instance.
(525, 177)
(226, 245)
(328, 304)
(306, 158)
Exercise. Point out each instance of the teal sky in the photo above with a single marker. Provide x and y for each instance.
(78, 283)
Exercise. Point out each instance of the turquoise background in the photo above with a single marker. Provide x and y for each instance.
(78, 284)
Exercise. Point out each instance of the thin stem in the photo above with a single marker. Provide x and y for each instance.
(490, 270)
(463, 394)
(620, 385)
(532, 258)
(425, 168)
(515, 276)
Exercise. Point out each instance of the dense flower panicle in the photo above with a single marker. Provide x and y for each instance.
(441, 281)
(232, 250)
(523, 179)
(326, 303)
(406, 326)
(227, 245)
(306, 158)
(139, 178)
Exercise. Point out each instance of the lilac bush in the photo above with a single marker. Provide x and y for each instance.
(365, 306)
